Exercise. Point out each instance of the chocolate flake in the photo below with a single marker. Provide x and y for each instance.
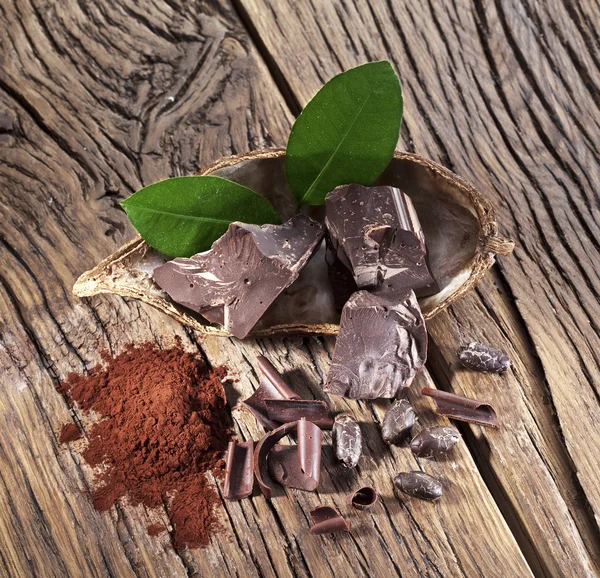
(239, 475)
(307, 456)
(347, 440)
(272, 386)
(236, 281)
(364, 498)
(463, 408)
(375, 233)
(419, 485)
(434, 442)
(284, 410)
(482, 357)
(327, 520)
(397, 422)
(381, 346)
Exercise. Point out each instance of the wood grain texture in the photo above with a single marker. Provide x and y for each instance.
(98, 99)
(499, 92)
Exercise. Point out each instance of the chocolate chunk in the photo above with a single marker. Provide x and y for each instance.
(327, 520)
(434, 442)
(340, 277)
(463, 408)
(398, 421)
(272, 386)
(239, 474)
(347, 440)
(419, 485)
(482, 357)
(284, 410)
(381, 346)
(364, 498)
(307, 456)
(375, 233)
(245, 270)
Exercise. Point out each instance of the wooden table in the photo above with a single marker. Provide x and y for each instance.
(100, 98)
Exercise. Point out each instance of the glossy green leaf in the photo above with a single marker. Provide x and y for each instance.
(185, 215)
(346, 134)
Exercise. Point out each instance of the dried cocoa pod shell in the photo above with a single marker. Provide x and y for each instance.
(459, 227)
(482, 357)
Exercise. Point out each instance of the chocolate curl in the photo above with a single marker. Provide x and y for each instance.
(272, 386)
(463, 408)
(327, 520)
(239, 477)
(304, 458)
(286, 410)
(363, 498)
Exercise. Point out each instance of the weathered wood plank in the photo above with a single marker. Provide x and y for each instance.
(105, 99)
(498, 92)
(102, 100)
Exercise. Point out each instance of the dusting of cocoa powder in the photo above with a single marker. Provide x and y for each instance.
(69, 433)
(162, 423)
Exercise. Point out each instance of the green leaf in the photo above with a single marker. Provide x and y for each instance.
(346, 134)
(183, 216)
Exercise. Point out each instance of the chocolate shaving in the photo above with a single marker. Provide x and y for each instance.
(285, 410)
(272, 387)
(364, 498)
(463, 408)
(307, 452)
(327, 520)
(239, 475)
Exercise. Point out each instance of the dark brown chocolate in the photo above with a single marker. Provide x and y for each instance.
(239, 474)
(398, 422)
(482, 357)
(463, 408)
(235, 282)
(272, 386)
(307, 456)
(381, 346)
(434, 442)
(375, 233)
(347, 440)
(419, 485)
(327, 520)
(363, 498)
(284, 410)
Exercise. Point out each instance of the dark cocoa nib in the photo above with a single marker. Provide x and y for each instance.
(434, 441)
(398, 421)
(347, 440)
(419, 485)
(482, 357)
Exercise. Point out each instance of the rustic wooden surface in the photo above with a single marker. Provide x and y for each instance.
(100, 98)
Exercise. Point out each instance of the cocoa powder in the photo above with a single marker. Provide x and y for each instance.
(69, 433)
(161, 423)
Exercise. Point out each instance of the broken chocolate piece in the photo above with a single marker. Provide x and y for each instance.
(375, 233)
(327, 520)
(434, 442)
(381, 346)
(245, 270)
(347, 440)
(397, 422)
(463, 408)
(239, 474)
(419, 485)
(272, 386)
(482, 357)
(284, 410)
(364, 498)
(307, 455)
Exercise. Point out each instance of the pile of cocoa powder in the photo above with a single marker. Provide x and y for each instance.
(161, 422)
